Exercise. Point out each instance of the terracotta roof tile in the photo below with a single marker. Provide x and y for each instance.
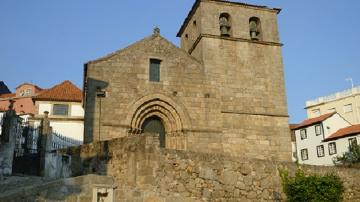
(8, 95)
(66, 91)
(293, 126)
(344, 132)
(312, 121)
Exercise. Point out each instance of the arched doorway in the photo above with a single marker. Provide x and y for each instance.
(154, 124)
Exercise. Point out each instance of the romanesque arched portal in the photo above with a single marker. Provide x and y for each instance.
(154, 125)
(156, 109)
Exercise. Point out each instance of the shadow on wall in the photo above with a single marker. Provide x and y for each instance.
(94, 90)
(90, 159)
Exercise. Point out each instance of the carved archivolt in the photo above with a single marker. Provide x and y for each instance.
(171, 114)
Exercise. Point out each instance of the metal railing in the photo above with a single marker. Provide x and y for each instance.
(334, 96)
(59, 141)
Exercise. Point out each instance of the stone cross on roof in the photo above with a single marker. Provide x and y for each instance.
(157, 31)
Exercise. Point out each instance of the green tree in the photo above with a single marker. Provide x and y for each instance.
(312, 188)
(350, 157)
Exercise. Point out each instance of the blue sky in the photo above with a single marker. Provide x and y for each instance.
(46, 42)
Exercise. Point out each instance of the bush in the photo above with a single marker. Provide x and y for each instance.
(313, 188)
(349, 158)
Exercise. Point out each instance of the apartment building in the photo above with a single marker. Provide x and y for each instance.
(346, 103)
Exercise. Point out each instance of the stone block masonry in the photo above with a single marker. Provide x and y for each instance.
(143, 171)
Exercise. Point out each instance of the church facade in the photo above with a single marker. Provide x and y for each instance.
(222, 91)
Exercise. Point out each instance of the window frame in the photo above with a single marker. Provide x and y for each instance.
(350, 108)
(58, 105)
(335, 150)
(305, 134)
(322, 149)
(320, 131)
(316, 112)
(350, 140)
(303, 152)
(154, 70)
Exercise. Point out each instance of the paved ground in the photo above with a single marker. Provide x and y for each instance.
(14, 183)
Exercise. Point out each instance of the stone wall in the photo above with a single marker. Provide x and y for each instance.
(144, 171)
(77, 189)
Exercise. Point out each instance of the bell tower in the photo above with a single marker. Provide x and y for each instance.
(239, 47)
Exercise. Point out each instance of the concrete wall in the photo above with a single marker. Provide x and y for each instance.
(75, 108)
(70, 126)
(338, 105)
(143, 171)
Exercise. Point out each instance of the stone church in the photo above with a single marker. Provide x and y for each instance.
(222, 91)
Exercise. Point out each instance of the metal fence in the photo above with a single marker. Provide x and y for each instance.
(59, 141)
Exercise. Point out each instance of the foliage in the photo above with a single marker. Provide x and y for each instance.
(312, 188)
(351, 157)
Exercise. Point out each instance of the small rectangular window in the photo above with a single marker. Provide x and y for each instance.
(320, 151)
(316, 112)
(154, 71)
(318, 129)
(332, 110)
(352, 142)
(303, 134)
(304, 154)
(348, 108)
(332, 148)
(60, 109)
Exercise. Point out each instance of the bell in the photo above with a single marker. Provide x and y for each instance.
(224, 31)
(254, 36)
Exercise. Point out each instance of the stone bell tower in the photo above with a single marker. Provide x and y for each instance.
(239, 47)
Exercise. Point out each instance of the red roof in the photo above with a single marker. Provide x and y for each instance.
(312, 121)
(66, 91)
(8, 95)
(293, 126)
(344, 132)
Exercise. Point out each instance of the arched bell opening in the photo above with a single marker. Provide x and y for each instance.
(154, 124)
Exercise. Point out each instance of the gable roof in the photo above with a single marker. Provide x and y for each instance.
(315, 120)
(197, 3)
(65, 91)
(30, 84)
(147, 40)
(344, 132)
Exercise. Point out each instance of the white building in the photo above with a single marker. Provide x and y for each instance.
(64, 104)
(346, 103)
(318, 140)
(1, 119)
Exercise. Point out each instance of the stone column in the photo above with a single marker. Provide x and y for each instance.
(7, 142)
(45, 142)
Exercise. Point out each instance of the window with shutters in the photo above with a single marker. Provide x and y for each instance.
(154, 72)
